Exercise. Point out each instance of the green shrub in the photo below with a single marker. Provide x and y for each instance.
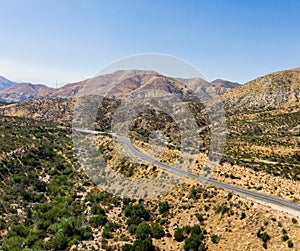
(265, 237)
(106, 234)
(157, 231)
(200, 217)
(285, 237)
(137, 210)
(143, 231)
(179, 234)
(132, 228)
(143, 245)
(194, 242)
(290, 244)
(243, 215)
(96, 209)
(215, 239)
(98, 220)
(127, 247)
(163, 207)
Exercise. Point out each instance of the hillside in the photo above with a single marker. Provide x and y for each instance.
(273, 91)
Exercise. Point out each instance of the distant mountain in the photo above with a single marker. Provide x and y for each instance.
(5, 83)
(223, 86)
(24, 91)
(115, 85)
(224, 83)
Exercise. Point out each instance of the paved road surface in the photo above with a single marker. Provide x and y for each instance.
(260, 197)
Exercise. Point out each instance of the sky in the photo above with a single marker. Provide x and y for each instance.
(56, 42)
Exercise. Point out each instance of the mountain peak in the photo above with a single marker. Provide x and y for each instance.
(224, 83)
(5, 83)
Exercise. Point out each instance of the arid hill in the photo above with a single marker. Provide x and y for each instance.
(276, 90)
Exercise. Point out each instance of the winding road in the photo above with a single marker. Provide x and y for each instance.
(273, 201)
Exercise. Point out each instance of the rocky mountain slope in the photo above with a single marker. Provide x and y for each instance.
(273, 91)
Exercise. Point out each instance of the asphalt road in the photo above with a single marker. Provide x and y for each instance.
(260, 197)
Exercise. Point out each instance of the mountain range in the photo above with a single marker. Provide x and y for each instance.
(130, 81)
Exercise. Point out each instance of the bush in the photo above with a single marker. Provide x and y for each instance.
(294, 221)
(143, 245)
(134, 220)
(265, 237)
(194, 242)
(137, 210)
(265, 245)
(243, 215)
(290, 244)
(127, 247)
(143, 231)
(221, 209)
(19, 230)
(215, 239)
(285, 237)
(157, 231)
(132, 228)
(96, 209)
(163, 207)
(98, 220)
(196, 229)
(179, 235)
(200, 217)
(126, 200)
(106, 234)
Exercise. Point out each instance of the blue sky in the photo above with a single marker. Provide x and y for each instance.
(65, 41)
